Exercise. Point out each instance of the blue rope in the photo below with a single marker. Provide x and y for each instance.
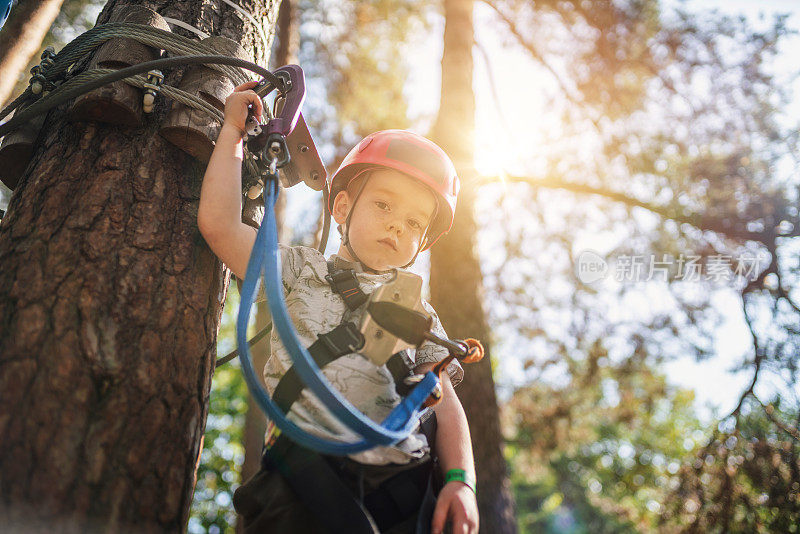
(265, 257)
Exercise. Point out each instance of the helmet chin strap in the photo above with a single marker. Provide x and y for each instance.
(346, 232)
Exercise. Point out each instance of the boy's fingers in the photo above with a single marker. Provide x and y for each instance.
(439, 516)
(258, 106)
(246, 85)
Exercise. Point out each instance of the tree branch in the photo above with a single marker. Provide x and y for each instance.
(769, 409)
(758, 358)
(551, 182)
(572, 94)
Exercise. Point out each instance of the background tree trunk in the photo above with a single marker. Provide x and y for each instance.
(456, 278)
(21, 38)
(109, 307)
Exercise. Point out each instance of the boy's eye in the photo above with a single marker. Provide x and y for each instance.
(382, 205)
(415, 224)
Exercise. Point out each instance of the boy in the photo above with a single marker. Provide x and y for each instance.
(387, 210)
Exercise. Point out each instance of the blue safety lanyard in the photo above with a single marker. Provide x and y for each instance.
(265, 258)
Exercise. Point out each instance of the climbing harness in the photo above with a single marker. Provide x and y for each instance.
(281, 151)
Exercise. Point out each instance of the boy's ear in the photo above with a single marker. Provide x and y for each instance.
(341, 207)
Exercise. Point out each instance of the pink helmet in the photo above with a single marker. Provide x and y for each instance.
(413, 155)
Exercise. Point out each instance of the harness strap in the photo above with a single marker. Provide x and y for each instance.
(344, 283)
(400, 370)
(342, 340)
(319, 488)
(320, 483)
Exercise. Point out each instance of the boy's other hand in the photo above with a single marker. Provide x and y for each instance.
(236, 106)
(456, 502)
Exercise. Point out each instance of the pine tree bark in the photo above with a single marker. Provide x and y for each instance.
(21, 39)
(285, 53)
(456, 279)
(109, 307)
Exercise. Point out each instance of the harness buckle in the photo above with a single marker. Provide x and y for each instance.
(344, 339)
(346, 284)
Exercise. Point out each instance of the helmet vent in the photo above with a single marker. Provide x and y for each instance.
(426, 161)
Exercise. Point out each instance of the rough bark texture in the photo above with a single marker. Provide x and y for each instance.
(456, 280)
(109, 307)
(21, 38)
(285, 53)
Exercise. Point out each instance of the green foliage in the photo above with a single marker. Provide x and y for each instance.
(601, 453)
(353, 54)
(746, 479)
(218, 472)
(671, 141)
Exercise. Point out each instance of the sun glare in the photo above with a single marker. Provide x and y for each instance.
(512, 121)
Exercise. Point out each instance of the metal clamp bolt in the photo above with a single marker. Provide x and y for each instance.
(154, 80)
(38, 81)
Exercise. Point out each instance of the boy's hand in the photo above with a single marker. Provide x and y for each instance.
(456, 502)
(236, 106)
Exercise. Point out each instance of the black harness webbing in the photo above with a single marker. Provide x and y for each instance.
(317, 479)
(344, 339)
(345, 283)
(319, 482)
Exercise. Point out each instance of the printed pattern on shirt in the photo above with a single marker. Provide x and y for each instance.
(315, 309)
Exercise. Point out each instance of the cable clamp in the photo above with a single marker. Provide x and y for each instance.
(153, 86)
(38, 81)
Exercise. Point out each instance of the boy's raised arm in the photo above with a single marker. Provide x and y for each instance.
(219, 215)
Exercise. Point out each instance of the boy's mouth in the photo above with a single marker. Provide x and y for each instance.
(388, 242)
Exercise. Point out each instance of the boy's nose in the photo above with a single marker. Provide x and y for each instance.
(395, 225)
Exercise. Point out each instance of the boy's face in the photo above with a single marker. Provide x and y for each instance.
(389, 221)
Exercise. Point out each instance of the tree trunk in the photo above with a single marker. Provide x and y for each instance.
(21, 38)
(255, 423)
(109, 306)
(456, 278)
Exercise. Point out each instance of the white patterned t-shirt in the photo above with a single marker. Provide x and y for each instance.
(316, 309)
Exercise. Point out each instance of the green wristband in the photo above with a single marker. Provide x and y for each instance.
(460, 475)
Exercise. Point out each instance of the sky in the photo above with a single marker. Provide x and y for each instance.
(717, 387)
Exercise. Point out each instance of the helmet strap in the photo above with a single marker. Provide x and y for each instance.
(346, 232)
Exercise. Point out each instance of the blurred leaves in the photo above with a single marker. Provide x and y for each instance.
(671, 142)
(223, 452)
